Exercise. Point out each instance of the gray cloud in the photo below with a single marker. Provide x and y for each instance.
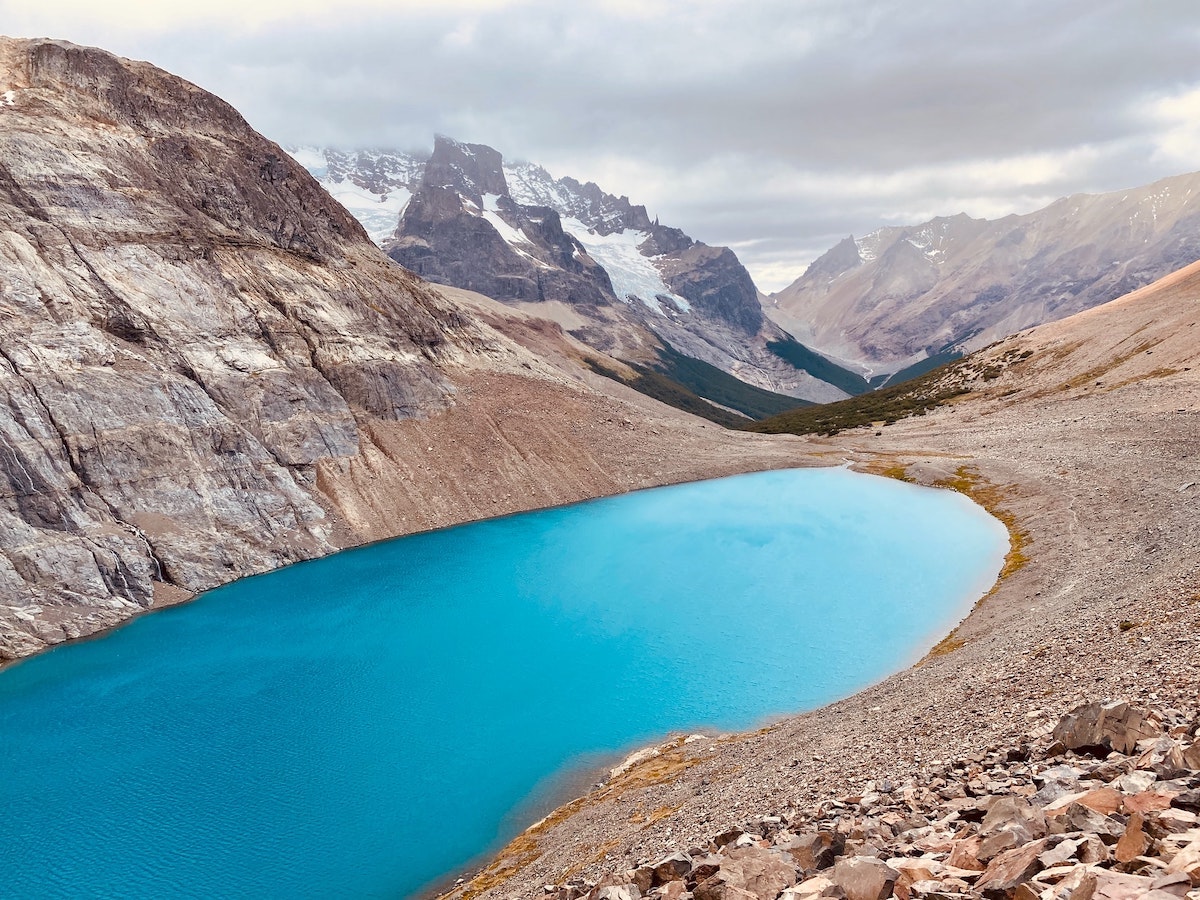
(777, 127)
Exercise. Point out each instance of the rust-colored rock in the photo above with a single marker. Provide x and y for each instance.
(1010, 869)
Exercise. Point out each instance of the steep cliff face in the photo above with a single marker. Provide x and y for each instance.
(188, 324)
(898, 294)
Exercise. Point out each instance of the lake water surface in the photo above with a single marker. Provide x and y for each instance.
(360, 725)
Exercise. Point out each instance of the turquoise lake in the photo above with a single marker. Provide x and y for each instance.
(364, 724)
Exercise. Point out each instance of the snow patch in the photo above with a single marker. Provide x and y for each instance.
(378, 213)
(867, 246)
(9, 97)
(514, 237)
(312, 158)
(532, 185)
(378, 210)
(491, 212)
(632, 274)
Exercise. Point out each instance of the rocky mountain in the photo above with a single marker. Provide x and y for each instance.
(208, 370)
(616, 278)
(188, 324)
(901, 294)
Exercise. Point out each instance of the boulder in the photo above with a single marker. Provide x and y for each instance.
(1187, 862)
(672, 868)
(1188, 800)
(1010, 869)
(1118, 886)
(1099, 728)
(1164, 757)
(813, 850)
(1010, 822)
(911, 871)
(965, 855)
(1134, 842)
(674, 890)
(1148, 801)
(753, 871)
(1063, 851)
(864, 877)
(616, 892)
(1191, 756)
(1078, 817)
(812, 888)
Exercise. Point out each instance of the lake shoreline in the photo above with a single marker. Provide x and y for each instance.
(1078, 619)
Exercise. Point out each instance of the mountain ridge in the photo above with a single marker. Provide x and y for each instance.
(902, 293)
(513, 231)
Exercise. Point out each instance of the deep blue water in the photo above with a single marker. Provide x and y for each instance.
(359, 725)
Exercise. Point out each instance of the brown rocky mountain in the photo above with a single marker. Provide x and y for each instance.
(903, 293)
(207, 370)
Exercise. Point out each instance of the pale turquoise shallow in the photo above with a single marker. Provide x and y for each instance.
(363, 724)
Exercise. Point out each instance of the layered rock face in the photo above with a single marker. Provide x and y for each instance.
(188, 323)
(900, 294)
(513, 232)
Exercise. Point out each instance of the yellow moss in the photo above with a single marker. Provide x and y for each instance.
(967, 480)
(1160, 372)
(948, 644)
(888, 469)
(1092, 374)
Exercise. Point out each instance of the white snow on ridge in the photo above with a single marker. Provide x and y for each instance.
(378, 213)
(867, 246)
(631, 273)
(532, 185)
(491, 212)
(312, 158)
(10, 97)
(514, 237)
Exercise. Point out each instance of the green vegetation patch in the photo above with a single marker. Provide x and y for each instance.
(919, 368)
(792, 351)
(707, 381)
(887, 405)
(660, 387)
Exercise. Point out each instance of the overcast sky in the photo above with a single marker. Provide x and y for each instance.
(776, 127)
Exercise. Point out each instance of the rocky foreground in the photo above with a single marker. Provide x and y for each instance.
(1104, 805)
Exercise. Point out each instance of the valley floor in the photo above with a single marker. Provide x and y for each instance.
(1102, 486)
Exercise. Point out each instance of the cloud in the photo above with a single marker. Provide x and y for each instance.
(777, 127)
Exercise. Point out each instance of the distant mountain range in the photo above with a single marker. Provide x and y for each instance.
(901, 295)
(886, 306)
(615, 278)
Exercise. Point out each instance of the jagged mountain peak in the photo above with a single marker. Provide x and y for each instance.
(471, 169)
(513, 231)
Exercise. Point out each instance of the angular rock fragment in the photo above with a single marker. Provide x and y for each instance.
(1100, 727)
(864, 877)
(1010, 869)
